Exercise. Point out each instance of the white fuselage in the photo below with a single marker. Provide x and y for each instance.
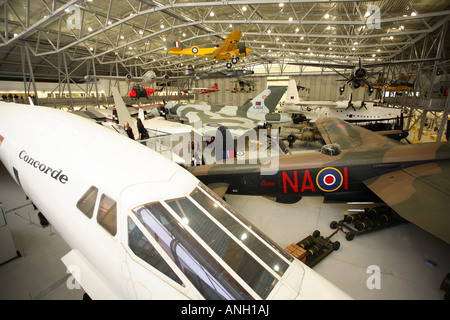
(60, 157)
(371, 112)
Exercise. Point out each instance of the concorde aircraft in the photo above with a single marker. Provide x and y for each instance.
(138, 225)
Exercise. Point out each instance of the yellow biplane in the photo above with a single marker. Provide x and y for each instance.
(230, 50)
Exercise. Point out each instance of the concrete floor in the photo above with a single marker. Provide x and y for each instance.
(412, 262)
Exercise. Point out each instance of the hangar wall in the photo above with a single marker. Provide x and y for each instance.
(321, 87)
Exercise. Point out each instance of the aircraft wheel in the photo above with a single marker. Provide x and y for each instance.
(194, 50)
(334, 225)
(349, 236)
(229, 65)
(336, 245)
(316, 234)
(234, 60)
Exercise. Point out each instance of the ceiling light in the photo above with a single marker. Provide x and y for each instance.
(122, 37)
(269, 31)
(367, 14)
(373, 55)
(211, 14)
(90, 29)
(413, 14)
(355, 43)
(391, 37)
(290, 18)
(141, 32)
(330, 48)
(230, 25)
(378, 50)
(281, 4)
(244, 8)
(326, 16)
(184, 34)
(353, 48)
(329, 28)
(162, 26)
(297, 29)
(301, 38)
(109, 22)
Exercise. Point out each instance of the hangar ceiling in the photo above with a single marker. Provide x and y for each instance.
(55, 39)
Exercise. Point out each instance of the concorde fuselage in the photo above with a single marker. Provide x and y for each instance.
(60, 160)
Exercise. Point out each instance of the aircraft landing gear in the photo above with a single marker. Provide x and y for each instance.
(234, 60)
(229, 65)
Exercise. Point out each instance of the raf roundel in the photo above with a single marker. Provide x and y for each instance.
(329, 179)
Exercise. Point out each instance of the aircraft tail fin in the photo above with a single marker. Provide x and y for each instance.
(122, 112)
(266, 101)
(174, 45)
(215, 86)
(292, 93)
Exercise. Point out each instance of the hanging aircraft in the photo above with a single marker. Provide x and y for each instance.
(358, 111)
(354, 164)
(138, 225)
(230, 50)
(258, 111)
(359, 75)
(147, 79)
(211, 89)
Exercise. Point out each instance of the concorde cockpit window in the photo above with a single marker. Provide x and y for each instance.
(239, 231)
(204, 272)
(244, 221)
(252, 272)
(141, 247)
(86, 203)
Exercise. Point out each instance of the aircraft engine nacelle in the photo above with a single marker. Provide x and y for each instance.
(360, 73)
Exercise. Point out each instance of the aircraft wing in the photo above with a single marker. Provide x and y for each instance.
(420, 194)
(203, 118)
(348, 136)
(230, 43)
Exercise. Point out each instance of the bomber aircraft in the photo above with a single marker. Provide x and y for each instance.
(256, 112)
(137, 231)
(353, 164)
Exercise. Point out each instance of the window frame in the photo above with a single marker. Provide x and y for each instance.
(106, 214)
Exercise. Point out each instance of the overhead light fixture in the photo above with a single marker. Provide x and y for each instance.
(281, 4)
(90, 29)
(244, 8)
(413, 14)
(290, 18)
(326, 16)
(211, 14)
(391, 37)
(297, 29)
(122, 37)
(162, 26)
(378, 50)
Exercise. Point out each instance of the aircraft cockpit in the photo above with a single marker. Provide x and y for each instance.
(215, 249)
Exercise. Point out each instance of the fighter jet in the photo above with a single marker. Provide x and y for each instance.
(353, 164)
(138, 225)
(238, 120)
